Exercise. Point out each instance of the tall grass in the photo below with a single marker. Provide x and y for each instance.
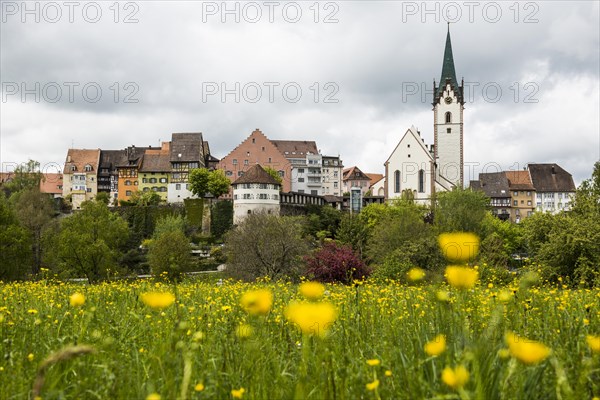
(136, 350)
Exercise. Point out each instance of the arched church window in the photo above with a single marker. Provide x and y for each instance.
(448, 117)
(397, 181)
(421, 181)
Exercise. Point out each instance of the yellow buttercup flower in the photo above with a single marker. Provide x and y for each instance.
(77, 299)
(153, 396)
(461, 277)
(442, 296)
(238, 393)
(455, 378)
(199, 387)
(416, 274)
(157, 300)
(312, 318)
(373, 385)
(388, 373)
(459, 247)
(30, 357)
(437, 346)
(311, 290)
(505, 295)
(257, 302)
(594, 343)
(373, 362)
(527, 351)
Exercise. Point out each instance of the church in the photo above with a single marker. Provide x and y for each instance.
(418, 170)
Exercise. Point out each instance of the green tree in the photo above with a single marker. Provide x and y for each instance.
(91, 240)
(202, 181)
(461, 210)
(25, 176)
(170, 253)
(266, 246)
(499, 241)
(34, 210)
(169, 223)
(218, 183)
(274, 174)
(198, 179)
(103, 197)
(355, 232)
(322, 221)
(402, 227)
(143, 199)
(568, 244)
(15, 244)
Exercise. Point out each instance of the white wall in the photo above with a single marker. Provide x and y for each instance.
(254, 204)
(410, 144)
(177, 196)
(449, 145)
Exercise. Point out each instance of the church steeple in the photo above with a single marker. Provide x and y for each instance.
(448, 116)
(448, 72)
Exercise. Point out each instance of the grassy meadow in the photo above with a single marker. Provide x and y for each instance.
(270, 340)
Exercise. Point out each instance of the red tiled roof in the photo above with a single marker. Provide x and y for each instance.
(80, 158)
(256, 174)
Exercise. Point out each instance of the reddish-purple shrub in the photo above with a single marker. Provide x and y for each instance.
(335, 262)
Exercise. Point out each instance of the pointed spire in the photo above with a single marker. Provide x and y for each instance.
(448, 71)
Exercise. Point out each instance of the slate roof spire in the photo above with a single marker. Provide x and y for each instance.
(448, 71)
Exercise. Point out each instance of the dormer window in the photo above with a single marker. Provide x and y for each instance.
(73, 168)
(87, 168)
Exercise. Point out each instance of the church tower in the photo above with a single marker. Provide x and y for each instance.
(448, 107)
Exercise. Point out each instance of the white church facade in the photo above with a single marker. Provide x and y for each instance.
(418, 170)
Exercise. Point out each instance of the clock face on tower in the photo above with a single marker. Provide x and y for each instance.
(448, 100)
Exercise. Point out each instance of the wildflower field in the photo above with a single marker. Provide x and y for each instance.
(268, 340)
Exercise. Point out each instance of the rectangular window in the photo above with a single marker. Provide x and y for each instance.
(335, 185)
(528, 202)
(270, 160)
(178, 186)
(335, 174)
(245, 162)
(528, 193)
(516, 193)
(300, 179)
(300, 170)
(128, 193)
(515, 203)
(314, 192)
(234, 161)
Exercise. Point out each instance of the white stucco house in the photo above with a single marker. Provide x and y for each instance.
(255, 192)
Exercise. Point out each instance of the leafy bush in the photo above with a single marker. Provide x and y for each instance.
(335, 263)
(266, 246)
(170, 253)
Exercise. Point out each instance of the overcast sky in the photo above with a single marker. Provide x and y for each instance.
(351, 75)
